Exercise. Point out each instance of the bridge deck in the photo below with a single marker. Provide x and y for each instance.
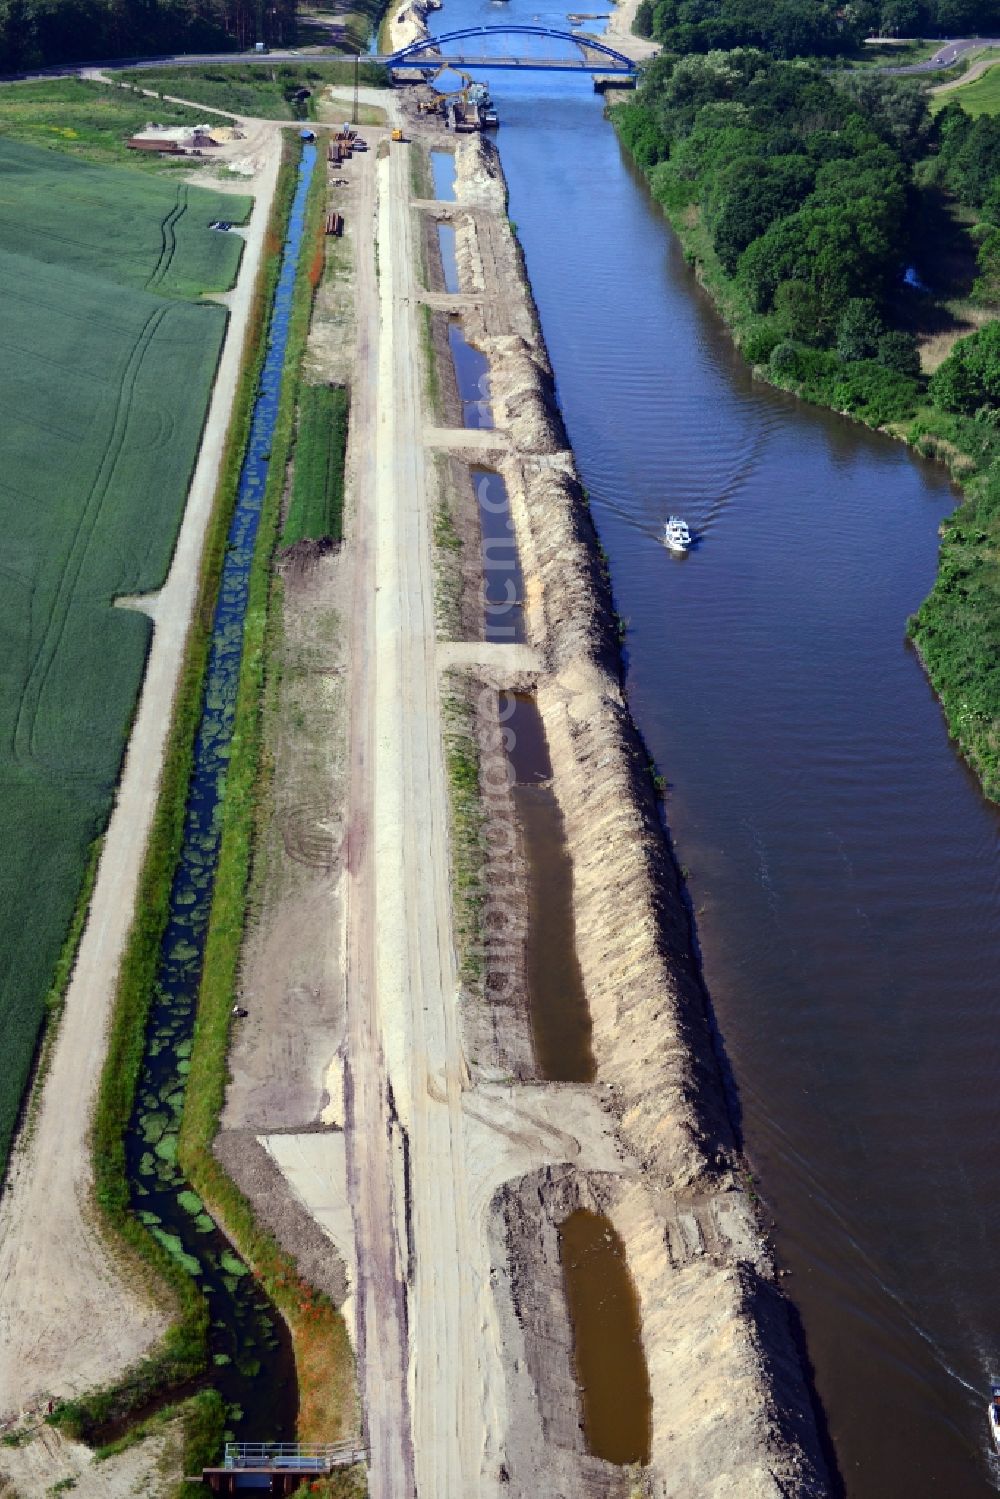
(524, 64)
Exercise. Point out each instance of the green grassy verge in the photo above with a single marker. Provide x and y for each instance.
(462, 762)
(183, 1352)
(255, 88)
(980, 97)
(430, 361)
(323, 1357)
(316, 510)
(88, 120)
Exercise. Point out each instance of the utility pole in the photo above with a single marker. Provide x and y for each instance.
(357, 69)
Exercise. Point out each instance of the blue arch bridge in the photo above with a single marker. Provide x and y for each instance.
(458, 49)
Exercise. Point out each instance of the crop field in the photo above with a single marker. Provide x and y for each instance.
(106, 369)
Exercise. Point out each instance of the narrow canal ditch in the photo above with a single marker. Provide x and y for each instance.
(252, 1362)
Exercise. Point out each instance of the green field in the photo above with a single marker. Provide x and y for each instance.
(107, 366)
(254, 88)
(980, 97)
(92, 121)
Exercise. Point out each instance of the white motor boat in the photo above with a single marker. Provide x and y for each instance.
(993, 1414)
(676, 536)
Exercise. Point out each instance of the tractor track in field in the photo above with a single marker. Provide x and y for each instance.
(168, 237)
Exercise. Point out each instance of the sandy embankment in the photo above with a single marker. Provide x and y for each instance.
(731, 1411)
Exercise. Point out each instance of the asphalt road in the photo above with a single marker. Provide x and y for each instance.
(948, 54)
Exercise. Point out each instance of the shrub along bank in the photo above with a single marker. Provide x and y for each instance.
(796, 194)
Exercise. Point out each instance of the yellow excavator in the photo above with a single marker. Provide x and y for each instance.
(469, 105)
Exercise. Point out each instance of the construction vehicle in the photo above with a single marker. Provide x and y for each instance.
(397, 135)
(466, 108)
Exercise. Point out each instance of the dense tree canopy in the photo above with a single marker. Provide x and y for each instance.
(816, 28)
(35, 32)
(802, 185)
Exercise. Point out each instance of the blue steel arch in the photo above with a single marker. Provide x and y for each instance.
(414, 49)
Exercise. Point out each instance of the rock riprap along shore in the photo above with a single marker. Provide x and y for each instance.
(731, 1410)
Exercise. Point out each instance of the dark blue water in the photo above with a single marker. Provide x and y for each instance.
(253, 1366)
(844, 868)
(472, 375)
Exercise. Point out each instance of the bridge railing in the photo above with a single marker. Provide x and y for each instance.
(293, 1457)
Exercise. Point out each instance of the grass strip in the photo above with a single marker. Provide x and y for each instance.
(430, 361)
(462, 764)
(323, 1356)
(316, 510)
(182, 1354)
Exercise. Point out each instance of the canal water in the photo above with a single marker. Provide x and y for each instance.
(252, 1363)
(844, 869)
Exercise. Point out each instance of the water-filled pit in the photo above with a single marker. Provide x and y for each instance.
(472, 375)
(503, 580)
(607, 1339)
(560, 1018)
(449, 261)
(443, 175)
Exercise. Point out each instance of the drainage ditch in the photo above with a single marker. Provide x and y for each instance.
(472, 375)
(252, 1362)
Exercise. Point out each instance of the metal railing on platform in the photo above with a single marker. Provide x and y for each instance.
(292, 1457)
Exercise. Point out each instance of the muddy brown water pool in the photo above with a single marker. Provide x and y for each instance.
(843, 866)
(607, 1339)
(560, 1018)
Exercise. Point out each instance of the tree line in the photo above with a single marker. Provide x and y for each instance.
(814, 28)
(34, 33)
(803, 196)
(806, 187)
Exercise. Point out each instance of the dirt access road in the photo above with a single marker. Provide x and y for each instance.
(404, 1069)
(67, 1319)
(425, 1150)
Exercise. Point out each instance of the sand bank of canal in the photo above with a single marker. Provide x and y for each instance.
(731, 1410)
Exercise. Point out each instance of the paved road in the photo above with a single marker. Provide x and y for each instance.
(603, 64)
(948, 54)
